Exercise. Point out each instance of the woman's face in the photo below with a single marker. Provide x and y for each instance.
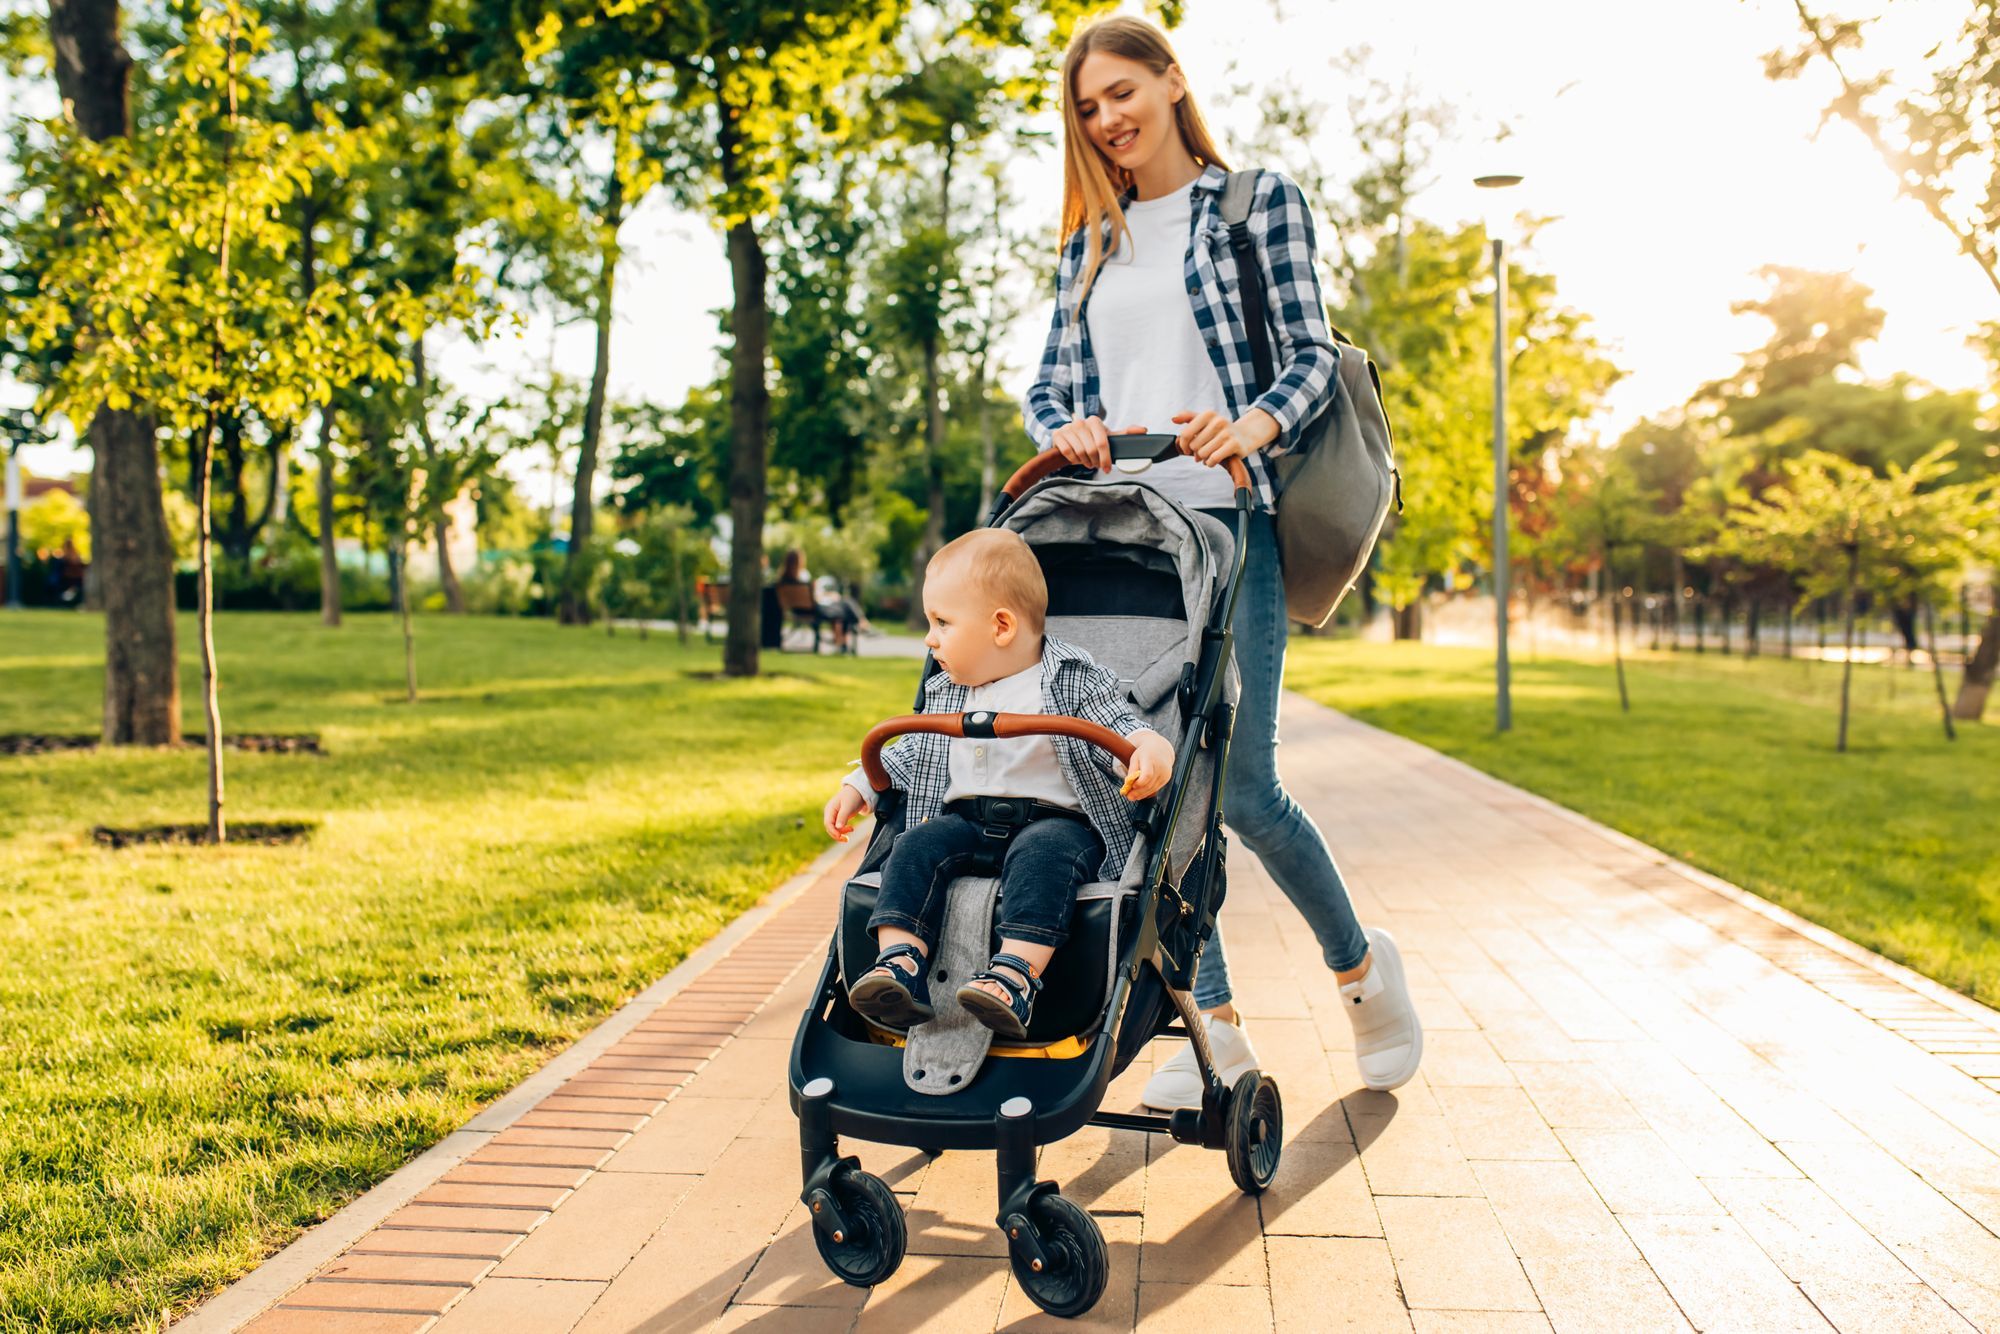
(1125, 108)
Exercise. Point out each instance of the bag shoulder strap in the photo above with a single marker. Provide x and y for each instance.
(1237, 195)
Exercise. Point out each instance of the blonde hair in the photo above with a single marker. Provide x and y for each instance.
(1000, 565)
(1092, 182)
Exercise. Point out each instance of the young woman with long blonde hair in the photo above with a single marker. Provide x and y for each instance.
(1148, 335)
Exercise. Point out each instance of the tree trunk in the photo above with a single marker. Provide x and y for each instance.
(1680, 582)
(933, 537)
(1618, 657)
(142, 693)
(1847, 667)
(750, 410)
(987, 445)
(329, 567)
(1409, 621)
(1937, 672)
(133, 558)
(397, 574)
(211, 703)
(1978, 679)
(933, 429)
(93, 573)
(680, 600)
(575, 608)
(409, 633)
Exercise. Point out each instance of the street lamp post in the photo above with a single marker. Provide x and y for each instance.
(1503, 702)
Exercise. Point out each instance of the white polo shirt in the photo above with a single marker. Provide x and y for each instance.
(1024, 766)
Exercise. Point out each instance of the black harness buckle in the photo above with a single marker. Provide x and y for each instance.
(1000, 818)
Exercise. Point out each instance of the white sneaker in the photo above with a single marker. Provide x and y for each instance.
(1388, 1036)
(1177, 1084)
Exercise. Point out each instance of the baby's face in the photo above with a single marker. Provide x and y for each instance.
(965, 629)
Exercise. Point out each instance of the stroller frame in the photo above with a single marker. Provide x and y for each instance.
(1056, 1249)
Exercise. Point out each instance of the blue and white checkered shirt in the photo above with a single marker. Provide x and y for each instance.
(1073, 683)
(1066, 386)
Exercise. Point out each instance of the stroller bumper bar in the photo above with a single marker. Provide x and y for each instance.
(982, 723)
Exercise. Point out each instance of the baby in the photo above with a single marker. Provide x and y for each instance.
(986, 600)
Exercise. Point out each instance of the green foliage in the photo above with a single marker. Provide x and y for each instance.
(54, 520)
(1418, 309)
(1934, 131)
(136, 288)
(502, 586)
(671, 457)
(1906, 533)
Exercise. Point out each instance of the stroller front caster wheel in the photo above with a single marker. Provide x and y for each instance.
(1075, 1266)
(870, 1236)
(1255, 1132)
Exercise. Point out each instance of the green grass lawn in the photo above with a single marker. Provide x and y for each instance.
(1730, 766)
(204, 1050)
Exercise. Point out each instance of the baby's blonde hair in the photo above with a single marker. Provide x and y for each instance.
(1001, 566)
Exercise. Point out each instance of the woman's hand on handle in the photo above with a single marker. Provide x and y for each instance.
(1088, 442)
(1212, 439)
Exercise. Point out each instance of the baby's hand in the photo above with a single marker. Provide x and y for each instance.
(838, 818)
(1151, 765)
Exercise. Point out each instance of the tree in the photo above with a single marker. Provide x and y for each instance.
(1844, 529)
(1608, 514)
(1935, 134)
(134, 563)
(1419, 311)
(173, 326)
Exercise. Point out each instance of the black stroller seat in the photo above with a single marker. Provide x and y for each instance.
(1148, 589)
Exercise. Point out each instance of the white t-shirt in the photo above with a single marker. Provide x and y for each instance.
(1151, 361)
(1022, 766)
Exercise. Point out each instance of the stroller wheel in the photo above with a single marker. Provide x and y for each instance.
(1255, 1134)
(1077, 1268)
(871, 1246)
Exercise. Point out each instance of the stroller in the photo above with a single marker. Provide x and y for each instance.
(1148, 588)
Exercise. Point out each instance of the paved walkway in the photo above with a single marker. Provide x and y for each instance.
(1644, 1105)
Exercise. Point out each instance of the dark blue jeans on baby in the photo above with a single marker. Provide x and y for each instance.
(1043, 866)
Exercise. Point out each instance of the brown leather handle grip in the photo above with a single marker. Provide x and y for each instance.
(1049, 460)
(1004, 725)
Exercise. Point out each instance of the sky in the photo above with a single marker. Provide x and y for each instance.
(1673, 170)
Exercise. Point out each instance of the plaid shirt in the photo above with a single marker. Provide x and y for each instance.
(1066, 387)
(1073, 684)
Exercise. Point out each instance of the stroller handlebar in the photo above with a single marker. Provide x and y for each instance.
(1154, 448)
(981, 723)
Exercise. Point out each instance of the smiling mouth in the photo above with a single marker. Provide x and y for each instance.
(1124, 141)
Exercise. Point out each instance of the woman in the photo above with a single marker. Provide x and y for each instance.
(1147, 335)
(830, 606)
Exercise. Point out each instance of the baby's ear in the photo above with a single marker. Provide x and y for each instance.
(1006, 625)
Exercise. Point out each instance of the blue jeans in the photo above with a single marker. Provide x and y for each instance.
(1255, 805)
(1045, 863)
